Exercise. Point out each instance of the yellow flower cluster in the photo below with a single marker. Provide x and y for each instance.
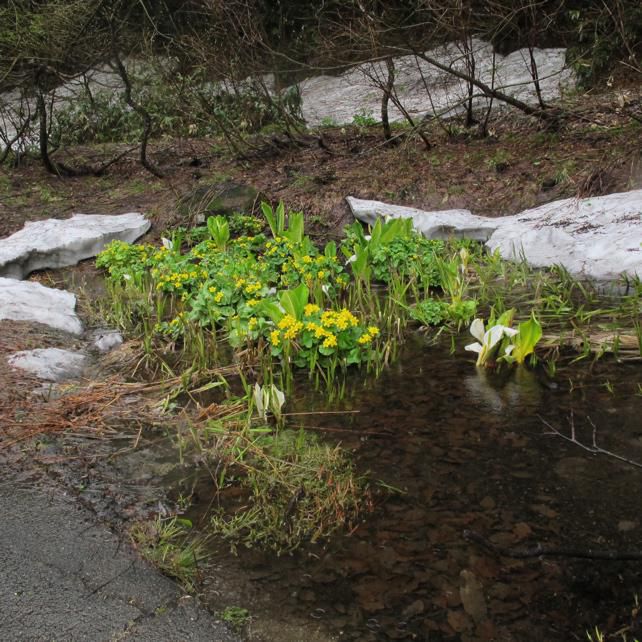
(251, 288)
(275, 338)
(341, 320)
(319, 331)
(290, 325)
(369, 335)
(178, 279)
(218, 296)
(175, 280)
(330, 341)
(272, 247)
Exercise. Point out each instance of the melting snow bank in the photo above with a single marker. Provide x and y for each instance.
(29, 301)
(51, 364)
(55, 243)
(425, 90)
(598, 237)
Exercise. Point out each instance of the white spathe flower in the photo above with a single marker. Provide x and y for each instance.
(352, 259)
(488, 339)
(258, 400)
(268, 397)
(167, 244)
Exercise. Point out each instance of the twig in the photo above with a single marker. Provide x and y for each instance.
(594, 449)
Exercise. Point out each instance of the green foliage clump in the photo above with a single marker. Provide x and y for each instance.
(435, 312)
(282, 293)
(299, 489)
(167, 544)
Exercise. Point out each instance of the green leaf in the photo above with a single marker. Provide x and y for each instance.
(330, 250)
(219, 230)
(270, 309)
(295, 227)
(294, 301)
(530, 332)
(268, 213)
(280, 218)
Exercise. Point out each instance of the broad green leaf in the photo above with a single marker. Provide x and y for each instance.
(268, 213)
(271, 310)
(294, 301)
(295, 229)
(530, 332)
(330, 250)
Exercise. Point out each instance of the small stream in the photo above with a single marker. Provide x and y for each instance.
(466, 450)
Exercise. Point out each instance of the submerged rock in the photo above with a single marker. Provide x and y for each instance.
(598, 237)
(51, 364)
(29, 301)
(55, 243)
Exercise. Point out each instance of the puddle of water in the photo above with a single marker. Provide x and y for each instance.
(467, 450)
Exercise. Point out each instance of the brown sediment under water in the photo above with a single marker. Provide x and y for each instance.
(449, 448)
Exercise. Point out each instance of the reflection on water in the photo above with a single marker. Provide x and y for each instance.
(466, 450)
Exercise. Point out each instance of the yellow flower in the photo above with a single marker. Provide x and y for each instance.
(252, 302)
(320, 332)
(320, 274)
(219, 297)
(364, 339)
(307, 259)
(212, 289)
(252, 288)
(373, 330)
(344, 319)
(286, 322)
(330, 341)
(293, 330)
(310, 309)
(252, 323)
(327, 318)
(275, 338)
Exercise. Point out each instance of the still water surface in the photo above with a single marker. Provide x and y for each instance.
(466, 450)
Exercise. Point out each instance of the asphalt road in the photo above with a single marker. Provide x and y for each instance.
(65, 577)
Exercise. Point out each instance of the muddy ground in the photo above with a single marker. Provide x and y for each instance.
(519, 165)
